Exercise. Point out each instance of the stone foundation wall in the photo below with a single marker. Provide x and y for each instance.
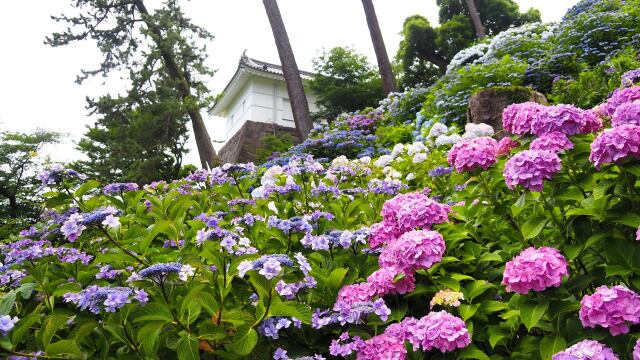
(243, 145)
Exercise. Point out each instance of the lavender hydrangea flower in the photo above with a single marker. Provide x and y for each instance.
(566, 119)
(556, 142)
(619, 97)
(270, 269)
(614, 308)
(57, 174)
(530, 168)
(615, 144)
(98, 298)
(267, 265)
(117, 188)
(271, 326)
(586, 350)
(627, 113)
(6, 323)
(535, 269)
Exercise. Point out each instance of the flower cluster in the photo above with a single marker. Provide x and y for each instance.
(517, 118)
(627, 113)
(76, 223)
(566, 119)
(271, 326)
(97, 298)
(473, 154)
(414, 210)
(553, 141)
(414, 250)
(56, 174)
(6, 323)
(446, 297)
(268, 266)
(535, 269)
(29, 250)
(613, 308)
(619, 97)
(586, 350)
(281, 354)
(159, 272)
(117, 188)
(615, 144)
(530, 168)
(505, 145)
(472, 131)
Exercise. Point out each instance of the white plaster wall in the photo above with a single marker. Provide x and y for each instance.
(258, 95)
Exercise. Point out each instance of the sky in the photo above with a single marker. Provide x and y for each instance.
(37, 88)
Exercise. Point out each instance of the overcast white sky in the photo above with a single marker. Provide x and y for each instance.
(37, 82)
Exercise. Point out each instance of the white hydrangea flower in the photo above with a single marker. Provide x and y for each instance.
(397, 150)
(185, 272)
(410, 176)
(448, 140)
(419, 157)
(365, 160)
(271, 175)
(438, 129)
(340, 161)
(415, 148)
(383, 161)
(477, 130)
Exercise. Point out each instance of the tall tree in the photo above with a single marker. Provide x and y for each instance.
(19, 160)
(475, 19)
(299, 105)
(149, 44)
(384, 66)
(344, 81)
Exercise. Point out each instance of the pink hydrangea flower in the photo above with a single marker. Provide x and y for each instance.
(382, 233)
(566, 119)
(613, 308)
(382, 282)
(636, 351)
(414, 210)
(621, 96)
(554, 141)
(438, 330)
(638, 234)
(586, 350)
(627, 113)
(382, 347)
(505, 145)
(535, 269)
(530, 168)
(517, 118)
(354, 293)
(615, 144)
(472, 154)
(414, 250)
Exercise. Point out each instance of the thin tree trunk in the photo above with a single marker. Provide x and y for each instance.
(208, 156)
(299, 105)
(388, 82)
(13, 206)
(475, 19)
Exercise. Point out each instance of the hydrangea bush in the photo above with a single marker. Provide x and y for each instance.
(455, 247)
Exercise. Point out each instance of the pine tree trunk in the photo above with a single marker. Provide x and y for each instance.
(299, 105)
(388, 82)
(475, 19)
(208, 156)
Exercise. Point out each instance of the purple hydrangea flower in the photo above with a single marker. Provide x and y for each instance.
(414, 250)
(535, 269)
(6, 324)
(160, 271)
(614, 308)
(615, 144)
(586, 350)
(556, 142)
(530, 168)
(566, 119)
(117, 188)
(473, 154)
(97, 298)
(627, 113)
(517, 118)
(620, 96)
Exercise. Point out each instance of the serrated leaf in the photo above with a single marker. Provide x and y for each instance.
(551, 345)
(336, 277)
(476, 288)
(188, 347)
(533, 226)
(148, 336)
(466, 311)
(472, 352)
(153, 312)
(291, 308)
(531, 312)
(496, 334)
(63, 347)
(244, 341)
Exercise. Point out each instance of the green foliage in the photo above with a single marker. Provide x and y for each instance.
(391, 135)
(140, 136)
(19, 187)
(425, 51)
(273, 144)
(593, 85)
(449, 97)
(345, 82)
